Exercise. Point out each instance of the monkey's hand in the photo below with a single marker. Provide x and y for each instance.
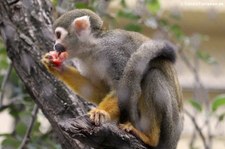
(54, 59)
(99, 116)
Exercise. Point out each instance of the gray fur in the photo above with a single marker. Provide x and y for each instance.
(159, 95)
(66, 19)
(137, 65)
(133, 65)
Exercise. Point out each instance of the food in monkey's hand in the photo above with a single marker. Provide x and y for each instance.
(56, 58)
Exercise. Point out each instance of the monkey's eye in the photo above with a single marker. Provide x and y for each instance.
(58, 35)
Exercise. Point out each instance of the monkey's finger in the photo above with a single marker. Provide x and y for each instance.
(97, 118)
(91, 116)
(102, 118)
(48, 56)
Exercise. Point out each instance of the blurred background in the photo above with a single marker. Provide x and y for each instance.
(196, 27)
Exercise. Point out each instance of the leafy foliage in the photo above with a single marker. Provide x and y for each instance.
(195, 104)
(127, 14)
(153, 6)
(133, 27)
(206, 57)
(218, 102)
(176, 31)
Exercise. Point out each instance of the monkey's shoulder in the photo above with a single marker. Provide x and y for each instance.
(123, 36)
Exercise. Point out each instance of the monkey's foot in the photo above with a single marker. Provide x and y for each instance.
(99, 116)
(54, 59)
(128, 127)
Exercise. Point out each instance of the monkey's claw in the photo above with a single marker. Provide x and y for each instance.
(99, 116)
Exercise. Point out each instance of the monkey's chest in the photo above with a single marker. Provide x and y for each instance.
(96, 72)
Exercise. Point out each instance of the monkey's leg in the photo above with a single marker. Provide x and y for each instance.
(151, 139)
(107, 110)
(78, 83)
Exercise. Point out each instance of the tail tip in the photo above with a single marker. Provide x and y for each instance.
(169, 51)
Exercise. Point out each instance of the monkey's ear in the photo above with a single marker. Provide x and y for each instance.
(82, 25)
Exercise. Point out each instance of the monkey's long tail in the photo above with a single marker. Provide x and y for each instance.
(129, 90)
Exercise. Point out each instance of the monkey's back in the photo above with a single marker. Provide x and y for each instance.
(117, 46)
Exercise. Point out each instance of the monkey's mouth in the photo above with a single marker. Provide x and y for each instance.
(62, 55)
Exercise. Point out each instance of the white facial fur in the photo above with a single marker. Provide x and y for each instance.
(63, 33)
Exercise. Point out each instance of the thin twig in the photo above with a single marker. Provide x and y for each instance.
(193, 139)
(3, 107)
(5, 80)
(13, 100)
(199, 130)
(186, 61)
(29, 129)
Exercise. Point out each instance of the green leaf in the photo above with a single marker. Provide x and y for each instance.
(81, 5)
(133, 27)
(153, 6)
(123, 3)
(218, 102)
(21, 129)
(14, 111)
(55, 2)
(36, 126)
(10, 143)
(195, 104)
(206, 57)
(176, 30)
(128, 14)
(4, 62)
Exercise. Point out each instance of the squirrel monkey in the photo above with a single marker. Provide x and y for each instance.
(129, 76)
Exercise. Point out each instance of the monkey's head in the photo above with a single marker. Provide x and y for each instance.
(74, 28)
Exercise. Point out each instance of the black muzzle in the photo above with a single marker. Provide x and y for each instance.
(59, 48)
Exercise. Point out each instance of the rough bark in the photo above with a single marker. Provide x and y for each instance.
(106, 135)
(26, 28)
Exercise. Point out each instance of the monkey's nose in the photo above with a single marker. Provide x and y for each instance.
(59, 48)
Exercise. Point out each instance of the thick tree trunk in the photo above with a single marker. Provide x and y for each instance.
(26, 28)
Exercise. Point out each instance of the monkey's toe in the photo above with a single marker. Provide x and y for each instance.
(99, 116)
(128, 127)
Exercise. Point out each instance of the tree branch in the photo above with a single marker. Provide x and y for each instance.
(12, 101)
(199, 130)
(29, 129)
(26, 29)
(107, 135)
